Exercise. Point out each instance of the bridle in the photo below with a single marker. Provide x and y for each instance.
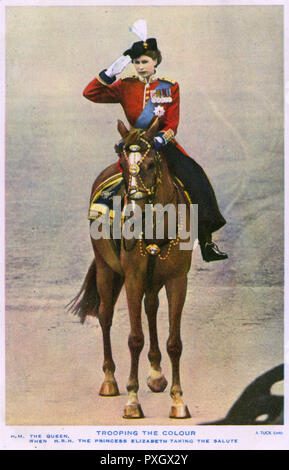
(136, 188)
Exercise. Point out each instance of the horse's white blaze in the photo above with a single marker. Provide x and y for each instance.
(134, 157)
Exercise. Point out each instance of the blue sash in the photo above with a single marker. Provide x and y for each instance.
(147, 114)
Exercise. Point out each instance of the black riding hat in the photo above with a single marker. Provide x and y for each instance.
(141, 47)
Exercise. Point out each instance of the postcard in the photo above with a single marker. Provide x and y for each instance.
(113, 114)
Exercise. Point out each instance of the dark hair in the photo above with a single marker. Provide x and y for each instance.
(155, 55)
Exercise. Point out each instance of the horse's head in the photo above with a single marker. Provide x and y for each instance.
(139, 161)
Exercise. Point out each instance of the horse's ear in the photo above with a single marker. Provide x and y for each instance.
(122, 129)
(153, 129)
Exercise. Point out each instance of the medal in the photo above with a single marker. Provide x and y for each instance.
(159, 111)
(162, 95)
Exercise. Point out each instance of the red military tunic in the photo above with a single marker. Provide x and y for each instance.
(142, 101)
(134, 93)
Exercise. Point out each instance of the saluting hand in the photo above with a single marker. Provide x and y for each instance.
(118, 66)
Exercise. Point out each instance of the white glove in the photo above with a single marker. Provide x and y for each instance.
(118, 66)
(159, 142)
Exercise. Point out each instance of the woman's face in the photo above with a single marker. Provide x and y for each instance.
(145, 65)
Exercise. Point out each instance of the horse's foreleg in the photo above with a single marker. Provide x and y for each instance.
(176, 293)
(156, 380)
(108, 285)
(135, 343)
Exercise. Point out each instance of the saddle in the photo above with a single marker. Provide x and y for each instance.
(102, 198)
(102, 201)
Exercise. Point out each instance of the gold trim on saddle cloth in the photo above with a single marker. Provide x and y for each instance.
(97, 209)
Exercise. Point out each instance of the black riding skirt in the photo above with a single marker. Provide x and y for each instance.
(198, 186)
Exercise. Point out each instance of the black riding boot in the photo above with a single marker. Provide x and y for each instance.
(209, 249)
(201, 192)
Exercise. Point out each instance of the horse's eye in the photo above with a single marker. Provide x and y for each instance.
(151, 165)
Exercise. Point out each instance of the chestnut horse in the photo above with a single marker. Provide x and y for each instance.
(144, 267)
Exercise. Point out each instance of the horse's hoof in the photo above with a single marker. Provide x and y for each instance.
(179, 412)
(157, 385)
(133, 412)
(109, 389)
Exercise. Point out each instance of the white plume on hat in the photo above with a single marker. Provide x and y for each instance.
(140, 29)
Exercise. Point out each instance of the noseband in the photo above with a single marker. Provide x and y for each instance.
(137, 190)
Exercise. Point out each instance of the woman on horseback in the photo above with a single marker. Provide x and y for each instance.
(144, 96)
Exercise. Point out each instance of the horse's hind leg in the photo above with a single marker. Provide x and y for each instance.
(176, 293)
(109, 285)
(156, 380)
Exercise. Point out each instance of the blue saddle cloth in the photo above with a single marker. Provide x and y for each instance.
(102, 199)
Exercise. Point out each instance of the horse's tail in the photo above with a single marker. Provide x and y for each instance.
(87, 300)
